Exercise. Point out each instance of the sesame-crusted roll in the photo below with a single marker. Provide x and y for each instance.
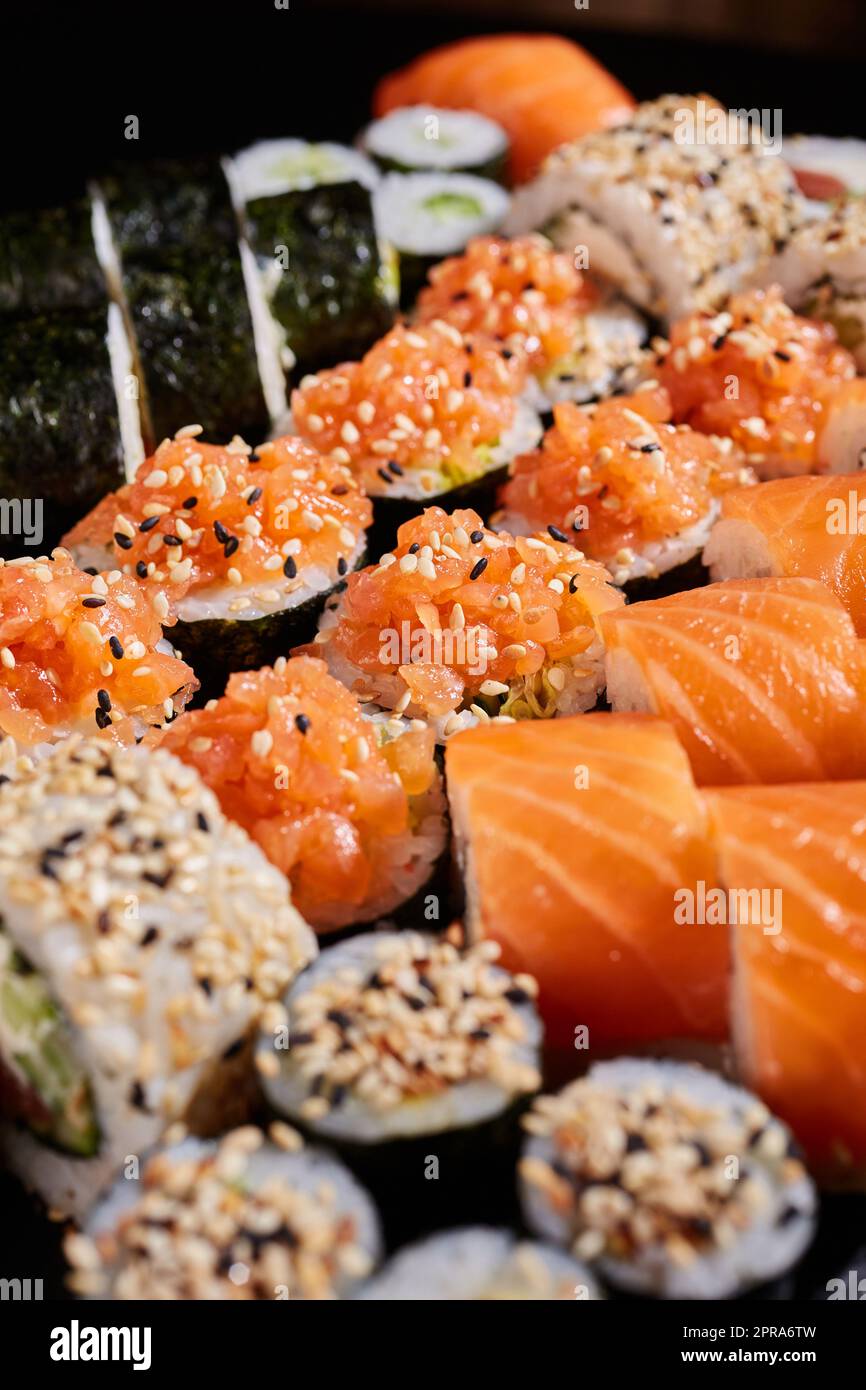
(674, 215)
(242, 1218)
(674, 1182)
(412, 1058)
(142, 937)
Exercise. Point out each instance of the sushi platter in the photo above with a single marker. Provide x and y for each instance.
(433, 706)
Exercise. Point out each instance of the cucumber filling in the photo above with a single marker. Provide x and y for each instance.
(41, 1082)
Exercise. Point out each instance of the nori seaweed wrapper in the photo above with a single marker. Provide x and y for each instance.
(389, 513)
(48, 262)
(165, 204)
(60, 437)
(336, 295)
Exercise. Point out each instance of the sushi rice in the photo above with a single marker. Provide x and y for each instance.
(412, 139)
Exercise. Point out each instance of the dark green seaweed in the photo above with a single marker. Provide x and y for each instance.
(389, 513)
(48, 262)
(60, 435)
(495, 168)
(335, 295)
(165, 204)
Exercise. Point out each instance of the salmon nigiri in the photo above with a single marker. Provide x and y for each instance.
(575, 837)
(813, 527)
(543, 89)
(799, 994)
(763, 679)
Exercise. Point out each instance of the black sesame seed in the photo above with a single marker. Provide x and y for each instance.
(205, 984)
(103, 719)
(93, 602)
(467, 379)
(290, 569)
(479, 1034)
(302, 723)
(384, 475)
(233, 1049)
(339, 491)
(172, 540)
(115, 648)
(190, 503)
(650, 448)
(342, 566)
(149, 523)
(395, 467)
(516, 995)
(557, 535)
(230, 547)
(414, 548)
(476, 537)
(635, 1143)
(220, 532)
(478, 568)
(141, 569)
(90, 569)
(201, 821)
(103, 923)
(103, 699)
(137, 1096)
(254, 496)
(150, 936)
(123, 541)
(342, 1020)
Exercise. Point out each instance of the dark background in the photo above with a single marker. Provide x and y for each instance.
(216, 76)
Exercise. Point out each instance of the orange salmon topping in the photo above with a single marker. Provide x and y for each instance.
(621, 475)
(77, 647)
(759, 373)
(424, 400)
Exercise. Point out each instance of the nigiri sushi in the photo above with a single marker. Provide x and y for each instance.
(814, 528)
(764, 680)
(799, 1021)
(639, 494)
(81, 652)
(674, 221)
(541, 88)
(351, 810)
(426, 412)
(573, 837)
(779, 385)
(458, 624)
(578, 342)
(236, 550)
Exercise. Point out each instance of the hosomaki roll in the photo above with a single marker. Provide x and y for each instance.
(242, 1218)
(481, 1264)
(573, 837)
(669, 1180)
(142, 935)
(411, 1057)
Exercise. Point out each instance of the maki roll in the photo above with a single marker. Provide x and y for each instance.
(431, 215)
(673, 1182)
(639, 494)
(578, 342)
(48, 262)
(143, 935)
(168, 239)
(480, 1264)
(350, 809)
(241, 1218)
(428, 413)
(412, 1058)
(411, 139)
(81, 652)
(240, 549)
(458, 625)
(675, 221)
(779, 385)
(328, 280)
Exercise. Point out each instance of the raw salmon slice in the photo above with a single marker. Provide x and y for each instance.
(799, 994)
(763, 679)
(809, 527)
(574, 837)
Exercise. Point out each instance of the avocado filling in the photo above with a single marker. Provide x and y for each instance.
(41, 1082)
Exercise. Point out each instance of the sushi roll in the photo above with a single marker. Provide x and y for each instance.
(410, 1057)
(327, 278)
(638, 494)
(672, 1182)
(143, 935)
(827, 169)
(240, 549)
(167, 236)
(430, 215)
(579, 342)
(239, 1218)
(350, 809)
(675, 223)
(428, 414)
(822, 273)
(480, 1264)
(412, 139)
(81, 653)
(781, 386)
(458, 624)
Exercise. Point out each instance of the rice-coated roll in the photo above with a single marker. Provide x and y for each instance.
(426, 411)
(578, 342)
(778, 384)
(410, 139)
(639, 494)
(396, 1035)
(350, 809)
(675, 222)
(143, 936)
(672, 1181)
(241, 1218)
(281, 166)
(82, 652)
(239, 549)
(459, 624)
(481, 1264)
